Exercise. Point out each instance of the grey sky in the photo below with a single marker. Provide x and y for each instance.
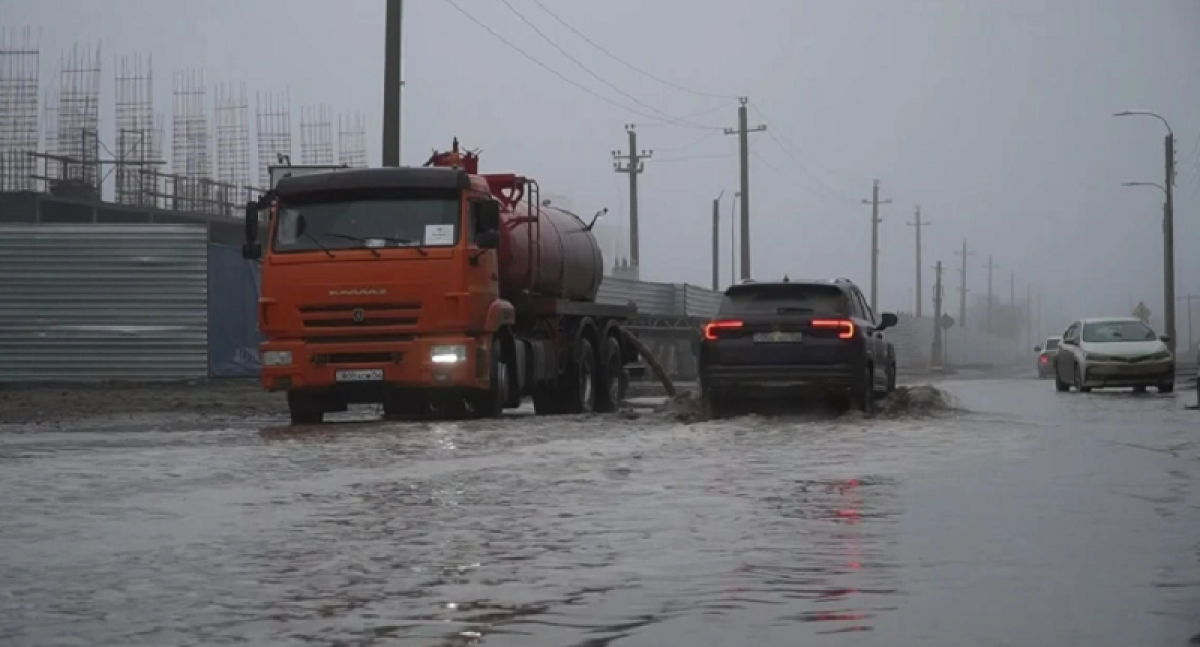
(992, 115)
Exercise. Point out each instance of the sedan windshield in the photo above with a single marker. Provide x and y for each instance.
(426, 222)
(1114, 331)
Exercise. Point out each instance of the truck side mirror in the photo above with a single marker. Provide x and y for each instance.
(488, 240)
(251, 250)
(488, 218)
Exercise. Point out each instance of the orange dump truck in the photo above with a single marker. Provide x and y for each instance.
(432, 289)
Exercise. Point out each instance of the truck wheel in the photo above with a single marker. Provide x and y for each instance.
(305, 408)
(615, 378)
(490, 403)
(403, 406)
(580, 383)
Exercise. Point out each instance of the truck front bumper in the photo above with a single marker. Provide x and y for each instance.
(434, 362)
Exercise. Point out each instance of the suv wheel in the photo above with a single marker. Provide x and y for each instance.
(862, 396)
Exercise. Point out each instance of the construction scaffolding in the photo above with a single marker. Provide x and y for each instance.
(316, 136)
(190, 141)
(274, 121)
(233, 135)
(138, 143)
(50, 129)
(19, 67)
(352, 140)
(78, 150)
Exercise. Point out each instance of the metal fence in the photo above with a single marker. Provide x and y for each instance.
(103, 302)
(660, 299)
(913, 339)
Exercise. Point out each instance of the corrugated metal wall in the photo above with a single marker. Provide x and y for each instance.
(103, 302)
(663, 299)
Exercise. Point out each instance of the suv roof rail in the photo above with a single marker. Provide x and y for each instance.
(746, 281)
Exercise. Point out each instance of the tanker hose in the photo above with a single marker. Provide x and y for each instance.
(650, 360)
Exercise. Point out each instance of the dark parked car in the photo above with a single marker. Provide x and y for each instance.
(780, 340)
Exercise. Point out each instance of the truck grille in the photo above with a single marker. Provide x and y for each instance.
(342, 317)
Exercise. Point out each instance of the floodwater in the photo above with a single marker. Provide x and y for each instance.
(1019, 517)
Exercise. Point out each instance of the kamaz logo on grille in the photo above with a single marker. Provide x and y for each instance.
(358, 292)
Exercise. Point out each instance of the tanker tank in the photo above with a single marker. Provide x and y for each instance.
(571, 265)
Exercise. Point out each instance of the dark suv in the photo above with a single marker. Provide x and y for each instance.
(789, 338)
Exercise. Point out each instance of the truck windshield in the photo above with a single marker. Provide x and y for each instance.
(360, 224)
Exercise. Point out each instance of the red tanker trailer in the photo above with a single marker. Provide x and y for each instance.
(432, 288)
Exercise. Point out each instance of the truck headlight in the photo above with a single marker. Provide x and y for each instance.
(277, 358)
(448, 354)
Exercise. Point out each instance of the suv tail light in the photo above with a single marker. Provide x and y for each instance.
(845, 327)
(713, 328)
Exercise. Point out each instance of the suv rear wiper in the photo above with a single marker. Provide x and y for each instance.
(792, 310)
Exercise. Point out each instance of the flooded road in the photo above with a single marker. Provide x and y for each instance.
(1024, 517)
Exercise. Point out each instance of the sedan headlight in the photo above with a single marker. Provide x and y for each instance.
(1097, 357)
(277, 358)
(448, 353)
(1160, 355)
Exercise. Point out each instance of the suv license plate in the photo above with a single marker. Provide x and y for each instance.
(366, 375)
(778, 337)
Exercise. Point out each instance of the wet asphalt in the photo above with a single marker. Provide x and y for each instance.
(1018, 517)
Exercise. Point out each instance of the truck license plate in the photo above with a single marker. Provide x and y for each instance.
(778, 337)
(363, 375)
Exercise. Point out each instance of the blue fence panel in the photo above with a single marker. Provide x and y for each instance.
(233, 335)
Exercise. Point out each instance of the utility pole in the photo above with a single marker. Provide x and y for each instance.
(1012, 303)
(743, 133)
(962, 284)
(634, 166)
(733, 237)
(918, 223)
(393, 82)
(938, 345)
(1029, 336)
(875, 220)
(1190, 298)
(1169, 243)
(716, 243)
(990, 266)
(1040, 330)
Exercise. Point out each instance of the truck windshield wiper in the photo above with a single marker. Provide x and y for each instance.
(792, 310)
(407, 242)
(356, 239)
(318, 244)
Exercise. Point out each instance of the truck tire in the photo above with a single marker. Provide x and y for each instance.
(614, 378)
(579, 384)
(305, 408)
(490, 403)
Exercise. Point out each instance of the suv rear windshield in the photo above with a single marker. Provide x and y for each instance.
(1051, 344)
(784, 299)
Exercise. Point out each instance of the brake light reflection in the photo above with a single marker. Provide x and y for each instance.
(846, 326)
(712, 328)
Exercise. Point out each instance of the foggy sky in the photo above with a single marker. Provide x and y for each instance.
(994, 116)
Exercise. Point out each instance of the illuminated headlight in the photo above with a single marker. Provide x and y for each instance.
(1160, 355)
(277, 358)
(448, 354)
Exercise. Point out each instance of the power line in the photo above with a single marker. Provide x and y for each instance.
(800, 165)
(593, 74)
(627, 63)
(542, 65)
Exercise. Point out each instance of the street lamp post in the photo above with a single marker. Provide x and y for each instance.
(1168, 223)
